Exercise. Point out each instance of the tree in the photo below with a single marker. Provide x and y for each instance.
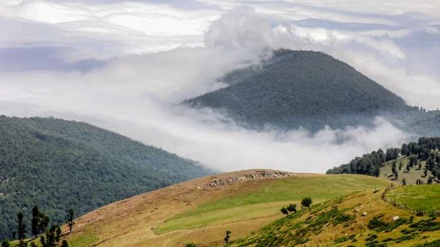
(430, 180)
(425, 172)
(21, 227)
(404, 181)
(284, 211)
(394, 170)
(35, 221)
(5, 243)
(58, 234)
(306, 202)
(292, 208)
(49, 240)
(400, 165)
(419, 181)
(70, 221)
(65, 244)
(43, 222)
(228, 236)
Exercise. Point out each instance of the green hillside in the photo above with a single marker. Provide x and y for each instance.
(301, 88)
(58, 164)
(194, 212)
(359, 219)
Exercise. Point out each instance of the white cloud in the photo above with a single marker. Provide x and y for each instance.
(148, 67)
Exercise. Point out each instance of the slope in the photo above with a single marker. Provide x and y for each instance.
(413, 162)
(201, 210)
(359, 219)
(59, 164)
(301, 89)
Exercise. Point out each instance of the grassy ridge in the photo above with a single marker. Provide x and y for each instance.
(181, 213)
(268, 200)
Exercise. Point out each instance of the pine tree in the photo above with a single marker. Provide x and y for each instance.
(35, 221)
(21, 227)
(70, 221)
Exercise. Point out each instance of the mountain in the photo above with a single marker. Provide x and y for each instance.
(58, 164)
(202, 210)
(301, 89)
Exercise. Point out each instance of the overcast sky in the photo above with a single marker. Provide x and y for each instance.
(124, 65)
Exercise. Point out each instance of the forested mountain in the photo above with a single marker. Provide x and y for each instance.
(301, 89)
(402, 162)
(58, 164)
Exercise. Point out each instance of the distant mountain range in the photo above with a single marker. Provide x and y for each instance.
(311, 90)
(58, 164)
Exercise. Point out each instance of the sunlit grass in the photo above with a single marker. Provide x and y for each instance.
(269, 199)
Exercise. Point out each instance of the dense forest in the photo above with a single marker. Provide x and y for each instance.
(311, 90)
(301, 88)
(425, 150)
(60, 164)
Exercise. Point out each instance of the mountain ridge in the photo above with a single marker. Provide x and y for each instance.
(58, 164)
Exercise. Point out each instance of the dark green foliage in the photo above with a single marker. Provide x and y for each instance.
(287, 232)
(190, 245)
(21, 227)
(301, 89)
(306, 202)
(35, 220)
(70, 217)
(284, 211)
(5, 243)
(405, 238)
(426, 225)
(341, 240)
(429, 180)
(378, 225)
(228, 236)
(51, 237)
(369, 164)
(372, 237)
(435, 243)
(59, 164)
(65, 244)
(292, 208)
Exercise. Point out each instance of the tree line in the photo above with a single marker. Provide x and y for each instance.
(426, 149)
(48, 236)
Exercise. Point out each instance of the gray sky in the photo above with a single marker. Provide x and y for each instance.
(123, 65)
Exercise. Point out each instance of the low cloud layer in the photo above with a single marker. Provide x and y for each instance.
(125, 65)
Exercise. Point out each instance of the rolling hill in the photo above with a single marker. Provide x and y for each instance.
(201, 210)
(58, 164)
(301, 89)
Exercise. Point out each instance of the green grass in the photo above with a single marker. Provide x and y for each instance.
(418, 197)
(85, 239)
(268, 201)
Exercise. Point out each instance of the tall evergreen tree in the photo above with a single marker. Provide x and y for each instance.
(21, 228)
(70, 218)
(35, 221)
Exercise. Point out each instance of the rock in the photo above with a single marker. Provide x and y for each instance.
(364, 214)
(396, 218)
